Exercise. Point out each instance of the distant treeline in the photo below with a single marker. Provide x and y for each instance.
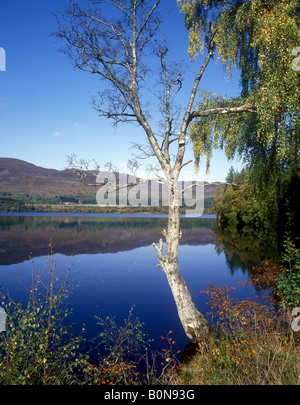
(48, 199)
(78, 204)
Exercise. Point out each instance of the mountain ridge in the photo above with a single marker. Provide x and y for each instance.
(21, 177)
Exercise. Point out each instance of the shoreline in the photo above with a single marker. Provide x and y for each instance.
(112, 214)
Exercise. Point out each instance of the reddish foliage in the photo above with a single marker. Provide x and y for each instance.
(265, 275)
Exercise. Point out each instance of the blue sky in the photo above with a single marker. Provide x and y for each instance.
(45, 105)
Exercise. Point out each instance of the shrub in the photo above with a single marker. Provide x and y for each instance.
(36, 347)
(252, 343)
(288, 280)
(121, 350)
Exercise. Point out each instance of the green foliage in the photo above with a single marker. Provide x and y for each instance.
(36, 348)
(209, 203)
(122, 343)
(236, 178)
(248, 219)
(273, 208)
(24, 202)
(220, 130)
(288, 281)
(257, 37)
(239, 208)
(288, 207)
(9, 204)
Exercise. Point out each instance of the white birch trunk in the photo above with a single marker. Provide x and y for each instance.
(193, 322)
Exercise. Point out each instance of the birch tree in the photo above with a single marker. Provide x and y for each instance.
(115, 40)
(261, 39)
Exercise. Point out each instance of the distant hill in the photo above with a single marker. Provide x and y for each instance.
(20, 177)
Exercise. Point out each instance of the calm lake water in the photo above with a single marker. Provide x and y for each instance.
(113, 259)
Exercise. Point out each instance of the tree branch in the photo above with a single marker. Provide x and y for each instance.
(251, 108)
(186, 119)
(211, 184)
(159, 249)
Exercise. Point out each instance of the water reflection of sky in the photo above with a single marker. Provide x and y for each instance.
(113, 282)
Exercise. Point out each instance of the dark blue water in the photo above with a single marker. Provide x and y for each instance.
(113, 261)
